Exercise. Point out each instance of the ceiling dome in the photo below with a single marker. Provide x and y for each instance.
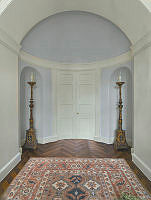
(75, 37)
(18, 17)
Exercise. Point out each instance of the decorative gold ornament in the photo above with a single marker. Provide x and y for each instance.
(31, 142)
(120, 140)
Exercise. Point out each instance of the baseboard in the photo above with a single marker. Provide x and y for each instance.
(110, 140)
(45, 140)
(142, 166)
(9, 166)
(104, 140)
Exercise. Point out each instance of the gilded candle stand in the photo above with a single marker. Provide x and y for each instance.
(31, 141)
(120, 140)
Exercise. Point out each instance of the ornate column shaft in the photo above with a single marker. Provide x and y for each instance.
(120, 140)
(31, 142)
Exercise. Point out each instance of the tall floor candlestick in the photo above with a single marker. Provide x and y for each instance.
(31, 142)
(120, 140)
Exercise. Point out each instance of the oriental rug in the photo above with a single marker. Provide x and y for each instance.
(75, 179)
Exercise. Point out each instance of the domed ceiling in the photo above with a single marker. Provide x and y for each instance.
(19, 16)
(75, 37)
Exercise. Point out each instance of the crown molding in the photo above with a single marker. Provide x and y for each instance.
(32, 61)
(141, 44)
(9, 42)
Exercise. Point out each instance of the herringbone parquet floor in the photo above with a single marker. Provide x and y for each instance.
(75, 148)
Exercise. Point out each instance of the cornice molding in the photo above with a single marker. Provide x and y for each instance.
(141, 44)
(32, 60)
(9, 42)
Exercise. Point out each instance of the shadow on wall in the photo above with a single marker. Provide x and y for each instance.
(24, 102)
(127, 113)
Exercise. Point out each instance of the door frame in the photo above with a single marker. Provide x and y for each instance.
(97, 72)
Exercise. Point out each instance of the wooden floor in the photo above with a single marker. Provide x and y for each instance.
(75, 148)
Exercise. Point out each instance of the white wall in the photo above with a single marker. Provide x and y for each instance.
(142, 111)
(75, 37)
(9, 140)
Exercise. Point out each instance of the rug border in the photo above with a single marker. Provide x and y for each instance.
(76, 158)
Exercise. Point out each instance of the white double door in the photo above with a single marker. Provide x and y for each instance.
(76, 104)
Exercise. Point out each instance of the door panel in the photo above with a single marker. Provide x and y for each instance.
(76, 104)
(84, 127)
(66, 104)
(86, 94)
(85, 104)
(66, 111)
(66, 94)
(84, 109)
(66, 128)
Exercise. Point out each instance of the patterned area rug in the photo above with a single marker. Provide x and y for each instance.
(75, 179)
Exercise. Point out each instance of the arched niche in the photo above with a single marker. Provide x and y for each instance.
(109, 101)
(127, 98)
(24, 102)
(75, 37)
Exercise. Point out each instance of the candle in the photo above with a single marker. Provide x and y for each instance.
(32, 77)
(120, 77)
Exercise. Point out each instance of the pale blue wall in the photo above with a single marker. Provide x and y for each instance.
(75, 37)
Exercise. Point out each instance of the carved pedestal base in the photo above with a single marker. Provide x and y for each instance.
(31, 142)
(120, 140)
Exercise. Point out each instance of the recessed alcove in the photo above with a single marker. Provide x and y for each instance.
(24, 102)
(83, 51)
(127, 98)
(110, 98)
